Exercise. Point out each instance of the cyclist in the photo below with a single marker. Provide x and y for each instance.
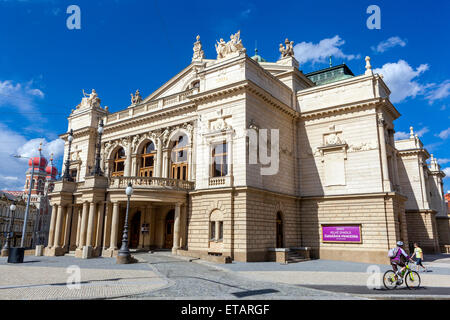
(400, 259)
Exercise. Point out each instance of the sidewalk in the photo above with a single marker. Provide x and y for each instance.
(46, 278)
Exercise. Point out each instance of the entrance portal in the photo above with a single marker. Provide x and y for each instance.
(134, 230)
(168, 243)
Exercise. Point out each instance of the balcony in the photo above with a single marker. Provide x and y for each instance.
(151, 183)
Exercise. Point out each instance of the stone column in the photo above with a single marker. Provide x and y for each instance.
(79, 211)
(127, 170)
(67, 226)
(134, 165)
(84, 215)
(90, 227)
(423, 186)
(176, 229)
(100, 215)
(51, 233)
(384, 164)
(114, 226)
(107, 233)
(159, 160)
(165, 163)
(59, 226)
(183, 242)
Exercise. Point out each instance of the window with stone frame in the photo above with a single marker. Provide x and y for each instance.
(219, 155)
(119, 163)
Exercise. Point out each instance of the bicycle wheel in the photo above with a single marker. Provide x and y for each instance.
(389, 280)
(412, 280)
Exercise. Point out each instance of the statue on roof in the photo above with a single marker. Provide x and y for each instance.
(288, 49)
(223, 48)
(91, 100)
(136, 98)
(198, 51)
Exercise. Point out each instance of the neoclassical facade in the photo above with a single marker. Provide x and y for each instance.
(239, 157)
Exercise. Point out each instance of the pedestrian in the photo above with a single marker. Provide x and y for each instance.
(418, 253)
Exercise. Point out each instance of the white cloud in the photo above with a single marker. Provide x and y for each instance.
(12, 170)
(441, 91)
(447, 172)
(400, 135)
(320, 52)
(21, 96)
(388, 44)
(443, 161)
(422, 131)
(400, 78)
(444, 134)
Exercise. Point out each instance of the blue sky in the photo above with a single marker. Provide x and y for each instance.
(127, 45)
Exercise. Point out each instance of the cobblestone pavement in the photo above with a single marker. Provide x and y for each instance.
(101, 278)
(204, 280)
(348, 277)
(160, 275)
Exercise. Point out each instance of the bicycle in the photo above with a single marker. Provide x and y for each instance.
(411, 278)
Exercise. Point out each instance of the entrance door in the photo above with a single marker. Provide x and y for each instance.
(168, 244)
(134, 230)
(279, 227)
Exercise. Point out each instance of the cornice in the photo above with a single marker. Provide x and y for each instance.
(345, 108)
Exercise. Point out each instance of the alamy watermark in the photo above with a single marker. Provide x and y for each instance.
(74, 278)
(374, 20)
(74, 20)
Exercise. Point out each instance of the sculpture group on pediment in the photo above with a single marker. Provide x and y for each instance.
(136, 98)
(223, 48)
(288, 49)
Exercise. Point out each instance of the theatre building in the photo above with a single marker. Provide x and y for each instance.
(244, 159)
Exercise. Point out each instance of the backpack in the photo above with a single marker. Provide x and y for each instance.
(392, 253)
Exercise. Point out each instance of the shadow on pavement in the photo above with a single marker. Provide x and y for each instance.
(249, 293)
(381, 291)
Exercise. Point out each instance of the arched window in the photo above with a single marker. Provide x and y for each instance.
(195, 84)
(119, 163)
(148, 160)
(179, 168)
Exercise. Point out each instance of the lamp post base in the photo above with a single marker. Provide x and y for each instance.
(125, 259)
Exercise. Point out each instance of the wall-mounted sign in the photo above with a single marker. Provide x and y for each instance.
(145, 228)
(341, 233)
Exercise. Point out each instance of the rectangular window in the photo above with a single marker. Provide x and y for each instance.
(219, 157)
(213, 230)
(220, 230)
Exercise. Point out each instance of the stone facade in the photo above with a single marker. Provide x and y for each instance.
(236, 156)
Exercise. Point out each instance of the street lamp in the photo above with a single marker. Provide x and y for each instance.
(12, 208)
(66, 175)
(124, 255)
(97, 171)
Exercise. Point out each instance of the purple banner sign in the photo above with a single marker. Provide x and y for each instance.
(341, 234)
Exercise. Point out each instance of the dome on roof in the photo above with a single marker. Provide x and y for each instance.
(39, 162)
(51, 171)
(258, 58)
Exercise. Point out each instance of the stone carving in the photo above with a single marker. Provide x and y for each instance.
(333, 139)
(224, 49)
(198, 51)
(363, 146)
(136, 98)
(288, 50)
(165, 136)
(253, 125)
(90, 100)
(220, 124)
